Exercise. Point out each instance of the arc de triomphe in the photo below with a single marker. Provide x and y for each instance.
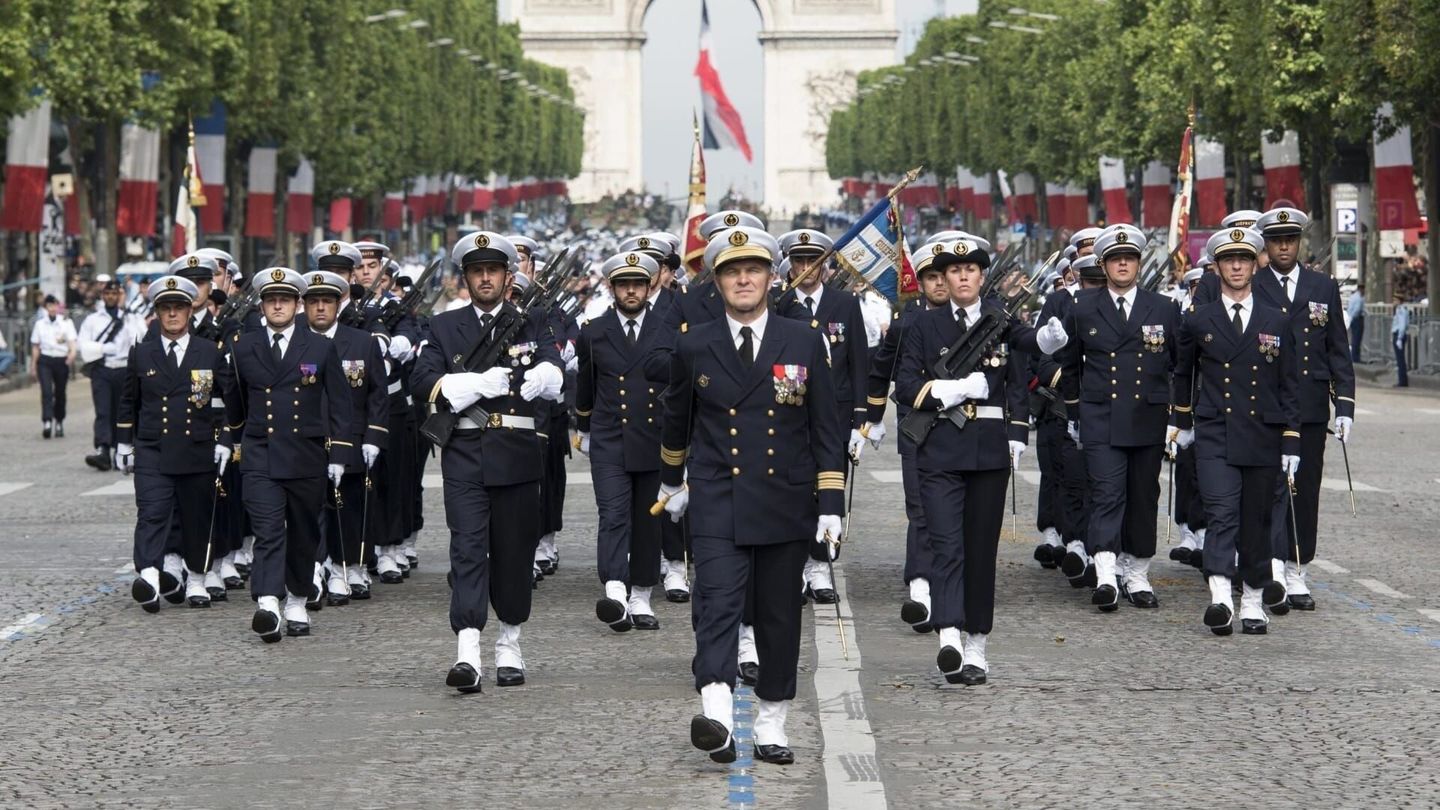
(812, 51)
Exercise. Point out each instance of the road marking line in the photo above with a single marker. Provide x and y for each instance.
(852, 771)
(125, 486)
(888, 476)
(1431, 411)
(1364, 412)
(17, 629)
(1339, 485)
(1430, 613)
(7, 488)
(1381, 588)
(1329, 567)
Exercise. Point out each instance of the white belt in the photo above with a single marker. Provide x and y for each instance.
(394, 387)
(989, 412)
(216, 402)
(499, 420)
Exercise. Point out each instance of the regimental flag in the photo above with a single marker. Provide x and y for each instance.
(209, 141)
(139, 180)
(693, 251)
(191, 194)
(1180, 214)
(1282, 170)
(27, 163)
(874, 249)
(1395, 205)
(723, 127)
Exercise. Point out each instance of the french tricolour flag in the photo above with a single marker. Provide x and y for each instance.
(260, 195)
(27, 162)
(1155, 195)
(300, 200)
(1395, 203)
(723, 127)
(210, 153)
(1282, 170)
(139, 179)
(1112, 189)
(1210, 205)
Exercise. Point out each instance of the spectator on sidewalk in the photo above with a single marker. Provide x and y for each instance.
(1400, 335)
(52, 353)
(7, 358)
(1355, 313)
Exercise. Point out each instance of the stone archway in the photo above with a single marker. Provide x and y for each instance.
(813, 49)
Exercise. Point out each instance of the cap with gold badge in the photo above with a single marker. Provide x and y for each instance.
(724, 220)
(740, 242)
(1243, 218)
(804, 242)
(194, 267)
(630, 265)
(281, 281)
(1282, 222)
(484, 246)
(1228, 241)
(333, 253)
(173, 288)
(1118, 239)
(324, 282)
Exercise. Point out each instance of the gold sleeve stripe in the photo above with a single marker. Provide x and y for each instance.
(236, 426)
(342, 444)
(579, 412)
(434, 392)
(1055, 381)
(684, 327)
(125, 424)
(1350, 400)
(876, 400)
(377, 427)
(1180, 408)
(673, 458)
(925, 389)
(1018, 422)
(830, 480)
(1289, 433)
(1072, 402)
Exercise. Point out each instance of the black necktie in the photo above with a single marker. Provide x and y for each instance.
(277, 352)
(485, 321)
(747, 347)
(174, 357)
(960, 319)
(1285, 286)
(810, 305)
(1120, 303)
(1239, 324)
(630, 331)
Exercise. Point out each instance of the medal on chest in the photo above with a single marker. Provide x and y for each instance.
(1269, 347)
(789, 384)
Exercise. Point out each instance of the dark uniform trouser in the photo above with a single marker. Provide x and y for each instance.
(919, 559)
(423, 448)
(1124, 498)
(723, 572)
(1307, 499)
(340, 529)
(283, 513)
(963, 514)
(105, 394)
(552, 482)
(1237, 500)
(54, 375)
(1189, 504)
(818, 550)
(1050, 433)
(492, 548)
(1074, 491)
(628, 542)
(394, 473)
(159, 497)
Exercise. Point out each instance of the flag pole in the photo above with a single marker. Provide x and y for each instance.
(825, 257)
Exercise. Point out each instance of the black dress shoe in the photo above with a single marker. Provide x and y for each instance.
(198, 601)
(170, 589)
(1280, 609)
(1042, 554)
(1180, 554)
(1143, 599)
(243, 569)
(677, 596)
(775, 754)
(749, 673)
(1106, 598)
(972, 675)
(234, 583)
(1302, 601)
(1273, 594)
(297, 628)
(1197, 559)
(100, 461)
(612, 612)
(923, 628)
(1253, 627)
(218, 595)
(142, 592)
(950, 662)
(914, 613)
(59, 431)
(711, 737)
(509, 676)
(267, 624)
(359, 591)
(824, 596)
(465, 678)
(392, 577)
(316, 600)
(548, 567)
(644, 622)
(45, 432)
(1218, 618)
(1072, 565)
(337, 599)
(412, 560)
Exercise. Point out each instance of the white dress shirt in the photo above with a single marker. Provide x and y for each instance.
(1245, 307)
(1129, 297)
(638, 318)
(972, 313)
(757, 328)
(180, 346)
(55, 336)
(1287, 281)
(285, 336)
(800, 296)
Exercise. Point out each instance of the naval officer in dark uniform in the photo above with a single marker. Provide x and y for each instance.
(289, 400)
(168, 433)
(1243, 417)
(750, 419)
(491, 468)
(618, 415)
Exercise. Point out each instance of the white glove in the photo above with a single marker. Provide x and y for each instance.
(494, 382)
(1342, 428)
(335, 472)
(1289, 465)
(1052, 337)
(856, 446)
(572, 365)
(1184, 439)
(125, 457)
(369, 452)
(953, 392)
(222, 457)
(567, 353)
(400, 348)
(464, 389)
(675, 500)
(544, 380)
(1017, 449)
(875, 432)
(827, 531)
(582, 443)
(1073, 429)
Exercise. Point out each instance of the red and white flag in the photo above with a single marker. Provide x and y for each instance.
(187, 227)
(1210, 207)
(1179, 234)
(1155, 195)
(1077, 207)
(965, 182)
(723, 127)
(693, 251)
(980, 188)
(1282, 170)
(300, 200)
(210, 150)
(341, 209)
(260, 193)
(139, 180)
(392, 217)
(1112, 190)
(27, 165)
(1395, 204)
(1023, 205)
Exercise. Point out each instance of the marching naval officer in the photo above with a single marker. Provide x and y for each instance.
(750, 418)
(289, 399)
(492, 470)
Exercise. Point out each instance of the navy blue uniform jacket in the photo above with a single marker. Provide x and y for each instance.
(614, 400)
(166, 412)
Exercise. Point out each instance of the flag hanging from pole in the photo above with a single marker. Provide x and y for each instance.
(874, 248)
(1180, 213)
(723, 127)
(693, 251)
(187, 228)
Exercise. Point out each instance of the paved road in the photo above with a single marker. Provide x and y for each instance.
(105, 705)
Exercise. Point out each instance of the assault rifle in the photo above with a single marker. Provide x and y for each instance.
(393, 310)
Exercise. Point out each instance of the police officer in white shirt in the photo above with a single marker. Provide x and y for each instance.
(105, 338)
(52, 352)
